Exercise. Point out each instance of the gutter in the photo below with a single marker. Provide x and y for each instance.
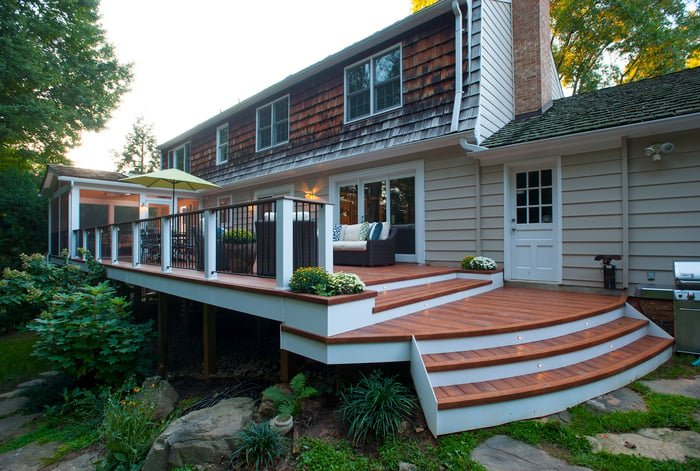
(459, 81)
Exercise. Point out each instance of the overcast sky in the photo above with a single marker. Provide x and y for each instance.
(192, 60)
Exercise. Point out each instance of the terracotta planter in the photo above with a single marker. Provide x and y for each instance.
(282, 426)
(236, 257)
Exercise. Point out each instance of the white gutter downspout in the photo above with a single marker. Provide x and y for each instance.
(459, 82)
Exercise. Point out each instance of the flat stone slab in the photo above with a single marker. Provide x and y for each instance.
(502, 453)
(678, 387)
(31, 383)
(79, 463)
(623, 399)
(655, 443)
(12, 405)
(28, 458)
(9, 426)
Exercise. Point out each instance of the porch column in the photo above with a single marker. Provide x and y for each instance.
(284, 263)
(209, 339)
(165, 252)
(210, 246)
(325, 239)
(162, 334)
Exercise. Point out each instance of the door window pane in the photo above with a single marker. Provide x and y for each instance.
(403, 200)
(533, 197)
(348, 204)
(375, 201)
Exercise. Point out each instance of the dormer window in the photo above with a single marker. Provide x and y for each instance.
(273, 124)
(180, 157)
(373, 85)
(222, 144)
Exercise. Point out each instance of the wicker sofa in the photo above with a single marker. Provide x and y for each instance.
(368, 246)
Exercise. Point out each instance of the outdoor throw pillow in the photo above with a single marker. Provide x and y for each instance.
(376, 231)
(364, 231)
(336, 232)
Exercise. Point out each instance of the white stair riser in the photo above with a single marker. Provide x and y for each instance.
(488, 373)
(413, 282)
(489, 415)
(516, 338)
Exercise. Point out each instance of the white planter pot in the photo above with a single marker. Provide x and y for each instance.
(281, 426)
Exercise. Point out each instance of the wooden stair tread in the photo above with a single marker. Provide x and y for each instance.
(450, 361)
(392, 299)
(544, 382)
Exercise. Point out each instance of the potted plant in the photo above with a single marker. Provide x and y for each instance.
(237, 251)
(478, 263)
(287, 403)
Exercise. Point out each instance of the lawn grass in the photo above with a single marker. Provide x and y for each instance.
(18, 365)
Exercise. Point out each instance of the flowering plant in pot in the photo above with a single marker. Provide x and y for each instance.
(478, 263)
(237, 251)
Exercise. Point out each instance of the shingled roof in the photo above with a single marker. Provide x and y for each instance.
(75, 172)
(651, 99)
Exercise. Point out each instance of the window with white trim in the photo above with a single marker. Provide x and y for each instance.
(373, 85)
(222, 144)
(180, 157)
(273, 124)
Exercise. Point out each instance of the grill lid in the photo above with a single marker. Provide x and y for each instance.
(687, 274)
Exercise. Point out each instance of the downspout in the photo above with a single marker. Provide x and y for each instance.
(459, 82)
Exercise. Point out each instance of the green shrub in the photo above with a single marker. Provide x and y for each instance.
(128, 430)
(313, 280)
(376, 404)
(258, 446)
(89, 335)
(466, 261)
(346, 283)
(329, 455)
(288, 403)
(238, 236)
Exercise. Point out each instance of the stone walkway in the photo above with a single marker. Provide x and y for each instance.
(499, 453)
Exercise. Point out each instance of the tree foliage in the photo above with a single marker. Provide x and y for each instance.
(23, 216)
(140, 153)
(58, 77)
(420, 4)
(598, 43)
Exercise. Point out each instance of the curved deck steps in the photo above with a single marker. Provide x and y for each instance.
(451, 361)
(544, 382)
(392, 299)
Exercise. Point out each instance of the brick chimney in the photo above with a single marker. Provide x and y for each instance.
(531, 57)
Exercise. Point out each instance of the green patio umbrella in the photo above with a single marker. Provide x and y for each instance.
(171, 178)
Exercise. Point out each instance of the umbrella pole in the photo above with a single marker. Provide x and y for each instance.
(173, 203)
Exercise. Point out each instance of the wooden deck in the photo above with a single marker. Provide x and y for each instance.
(496, 312)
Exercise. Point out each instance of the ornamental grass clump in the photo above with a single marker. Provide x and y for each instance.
(258, 447)
(376, 404)
(478, 263)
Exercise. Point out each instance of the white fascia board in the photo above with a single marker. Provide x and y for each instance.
(595, 140)
(412, 21)
(104, 185)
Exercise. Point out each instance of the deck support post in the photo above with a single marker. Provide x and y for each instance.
(209, 339)
(284, 366)
(162, 334)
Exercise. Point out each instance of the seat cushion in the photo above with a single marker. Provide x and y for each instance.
(350, 245)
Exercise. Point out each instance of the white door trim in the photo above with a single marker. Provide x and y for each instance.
(509, 214)
(414, 168)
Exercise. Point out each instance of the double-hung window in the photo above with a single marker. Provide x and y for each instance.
(222, 144)
(180, 157)
(373, 85)
(273, 124)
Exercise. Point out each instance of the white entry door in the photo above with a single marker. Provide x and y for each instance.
(534, 225)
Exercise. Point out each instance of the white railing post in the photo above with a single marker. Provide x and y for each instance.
(325, 237)
(136, 245)
(284, 264)
(98, 244)
(84, 236)
(210, 245)
(115, 244)
(165, 253)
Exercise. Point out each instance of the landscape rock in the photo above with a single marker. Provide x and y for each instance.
(79, 463)
(407, 467)
(623, 400)
(11, 426)
(28, 458)
(502, 453)
(678, 387)
(12, 405)
(162, 393)
(32, 383)
(203, 436)
(657, 444)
